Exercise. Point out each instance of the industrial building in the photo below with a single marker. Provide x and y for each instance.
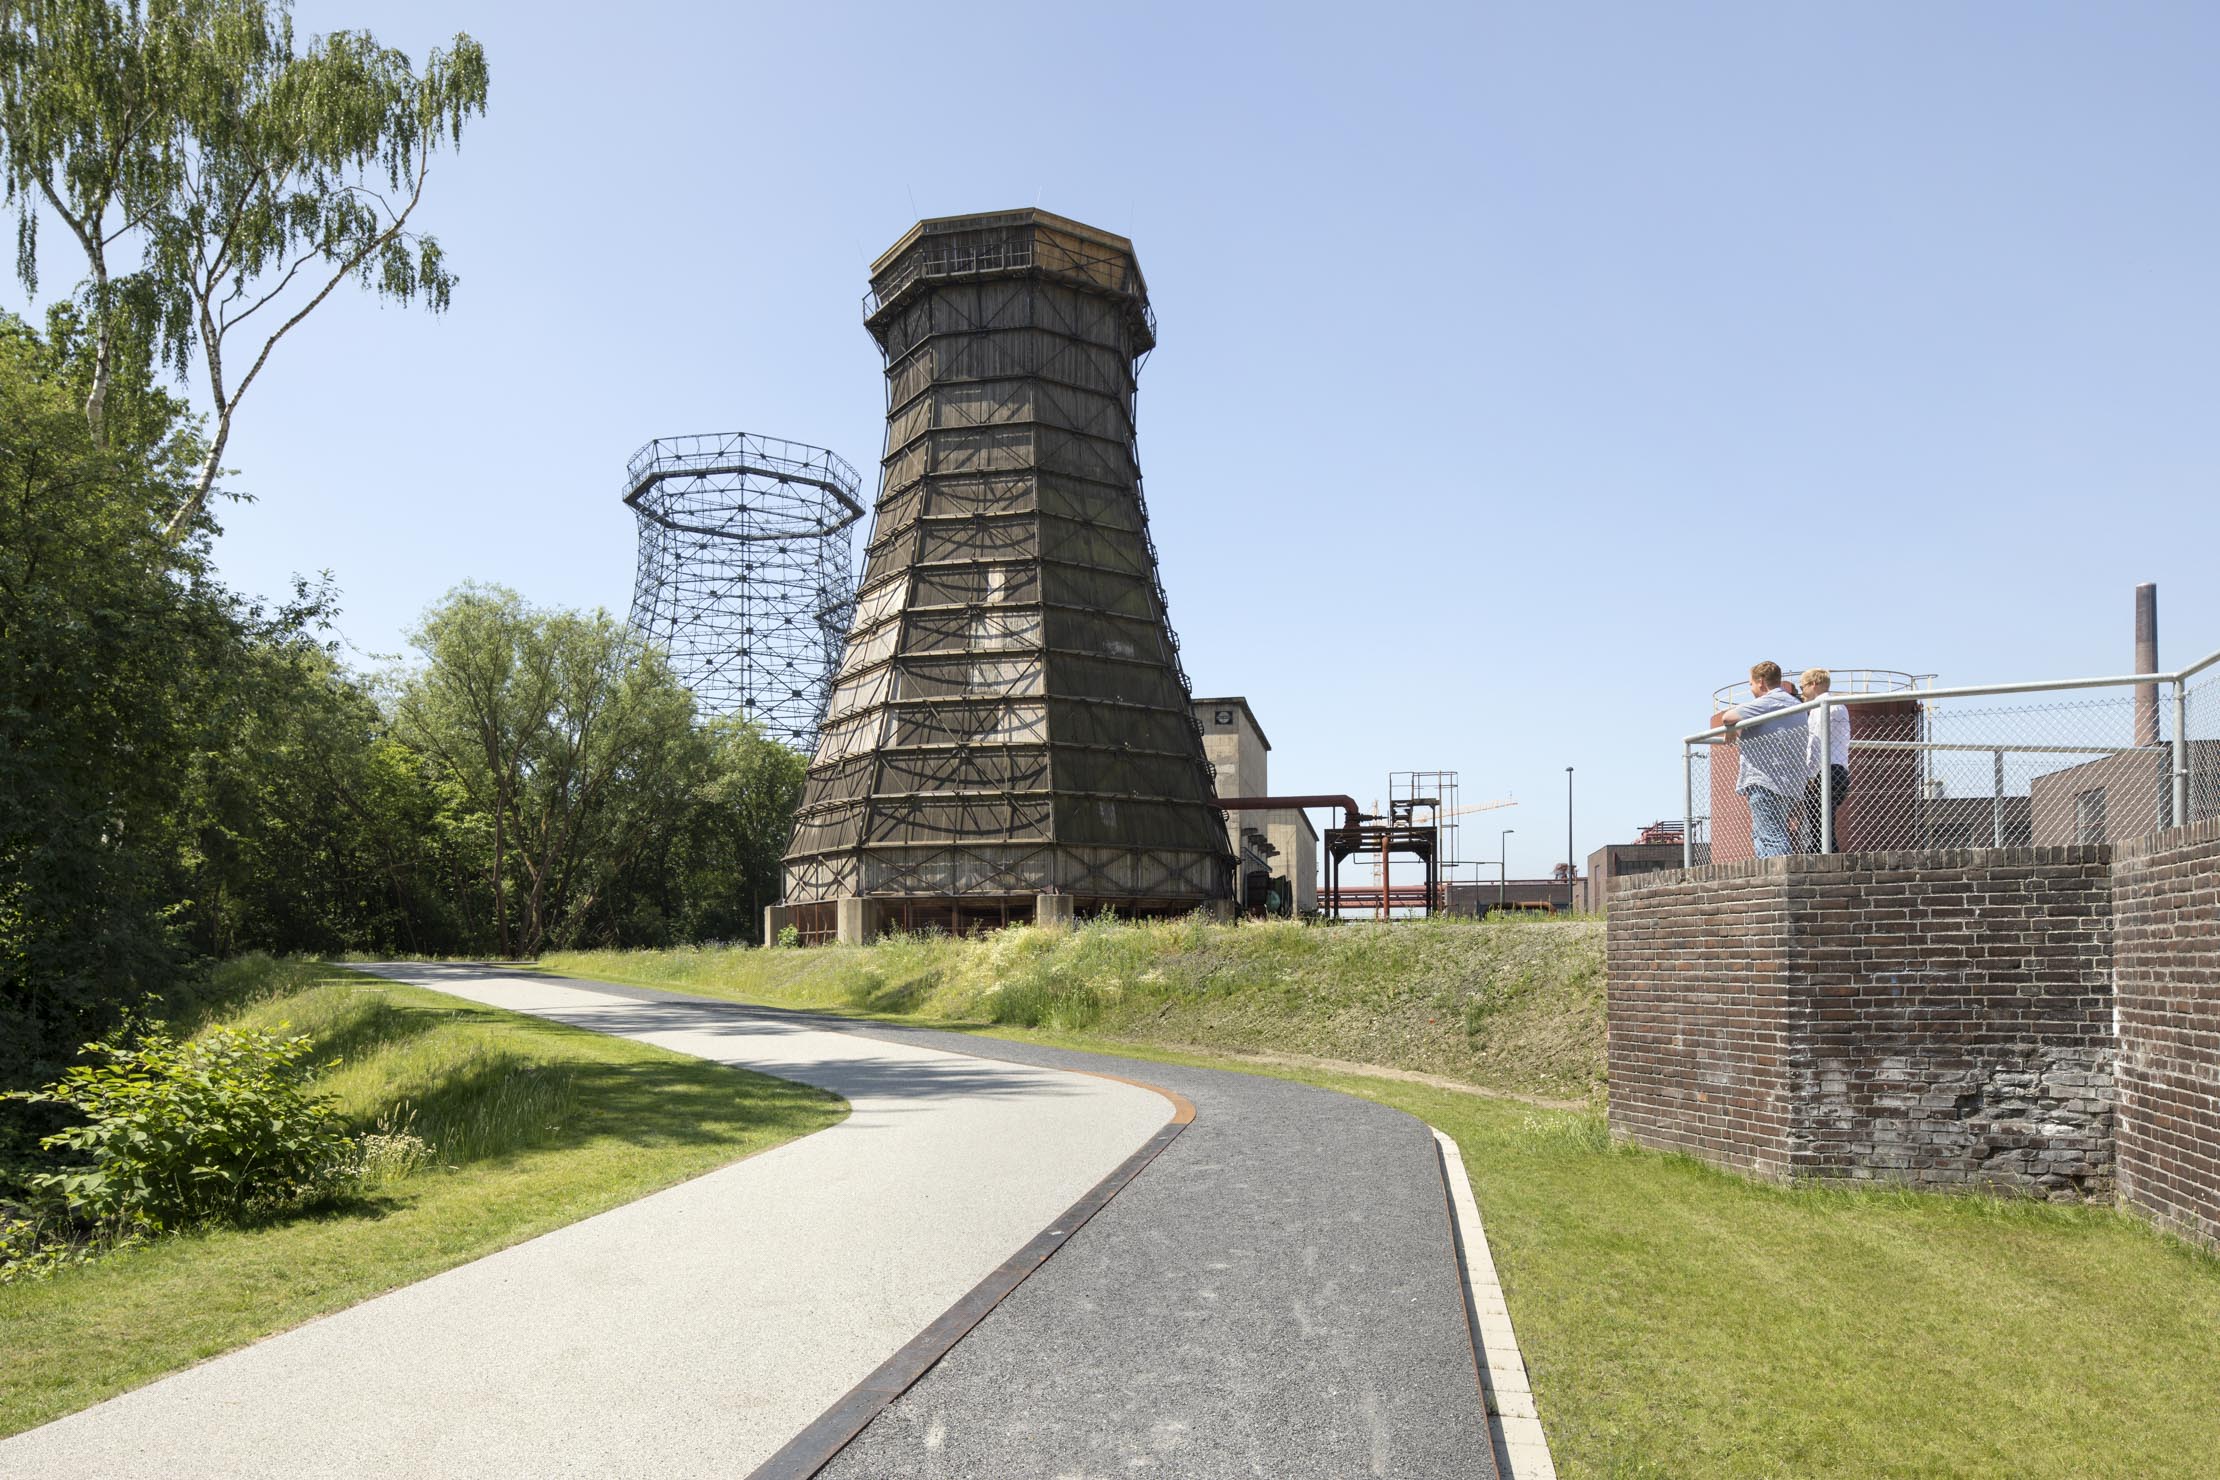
(1655, 848)
(1514, 896)
(1278, 848)
(2127, 794)
(1010, 734)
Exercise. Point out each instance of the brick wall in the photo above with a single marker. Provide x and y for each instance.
(1956, 1018)
(1698, 1023)
(1940, 1018)
(2167, 978)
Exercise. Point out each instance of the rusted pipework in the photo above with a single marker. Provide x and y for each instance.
(1351, 816)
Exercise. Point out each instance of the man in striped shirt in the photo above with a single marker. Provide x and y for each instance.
(1769, 760)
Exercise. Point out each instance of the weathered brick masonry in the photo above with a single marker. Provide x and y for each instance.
(2167, 982)
(1939, 1018)
(1699, 1014)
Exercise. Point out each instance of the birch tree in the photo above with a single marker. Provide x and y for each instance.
(253, 176)
(296, 173)
(87, 132)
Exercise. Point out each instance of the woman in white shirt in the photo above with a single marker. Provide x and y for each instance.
(1831, 749)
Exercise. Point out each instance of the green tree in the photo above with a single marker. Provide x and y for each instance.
(572, 739)
(742, 820)
(720, 864)
(109, 640)
(255, 176)
(314, 830)
(86, 131)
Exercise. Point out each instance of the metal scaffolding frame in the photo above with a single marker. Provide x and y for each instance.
(745, 575)
(1010, 716)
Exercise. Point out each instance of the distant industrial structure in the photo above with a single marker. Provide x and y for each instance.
(1277, 845)
(1010, 734)
(745, 573)
(1655, 848)
(1420, 824)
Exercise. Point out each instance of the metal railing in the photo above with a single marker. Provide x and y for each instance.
(2054, 761)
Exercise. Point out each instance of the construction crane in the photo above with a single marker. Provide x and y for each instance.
(1424, 804)
(1478, 807)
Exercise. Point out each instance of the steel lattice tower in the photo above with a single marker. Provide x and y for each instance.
(1010, 718)
(745, 572)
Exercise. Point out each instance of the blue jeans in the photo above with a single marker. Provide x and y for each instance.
(1769, 815)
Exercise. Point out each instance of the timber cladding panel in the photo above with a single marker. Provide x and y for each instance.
(1937, 1018)
(1009, 716)
(2167, 976)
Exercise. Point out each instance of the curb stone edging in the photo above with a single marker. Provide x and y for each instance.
(1515, 1427)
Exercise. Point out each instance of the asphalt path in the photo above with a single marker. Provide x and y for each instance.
(1276, 1293)
(692, 1332)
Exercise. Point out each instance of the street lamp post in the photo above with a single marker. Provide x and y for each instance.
(1570, 873)
(1478, 910)
(1502, 865)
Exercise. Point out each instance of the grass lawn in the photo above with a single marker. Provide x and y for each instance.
(1683, 1321)
(535, 1125)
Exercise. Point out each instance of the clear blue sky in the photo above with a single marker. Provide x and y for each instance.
(1526, 372)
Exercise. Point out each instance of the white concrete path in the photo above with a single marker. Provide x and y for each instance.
(689, 1333)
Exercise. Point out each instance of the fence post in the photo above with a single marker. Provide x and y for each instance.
(1688, 806)
(1826, 773)
(2181, 753)
(1996, 807)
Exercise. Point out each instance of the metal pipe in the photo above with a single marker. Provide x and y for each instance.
(1985, 749)
(1720, 733)
(1688, 806)
(1827, 774)
(2197, 667)
(2181, 754)
(1351, 814)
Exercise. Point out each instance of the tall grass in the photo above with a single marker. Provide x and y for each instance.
(398, 1069)
(1510, 1004)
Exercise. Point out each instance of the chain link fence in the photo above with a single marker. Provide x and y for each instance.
(2097, 760)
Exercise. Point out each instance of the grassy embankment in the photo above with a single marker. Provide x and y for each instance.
(1677, 1320)
(533, 1126)
(1510, 1005)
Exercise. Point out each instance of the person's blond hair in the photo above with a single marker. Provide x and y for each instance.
(1818, 677)
(1768, 674)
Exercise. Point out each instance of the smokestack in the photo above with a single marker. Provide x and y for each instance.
(2146, 661)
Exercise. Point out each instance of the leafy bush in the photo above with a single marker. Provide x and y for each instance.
(179, 1133)
(32, 1248)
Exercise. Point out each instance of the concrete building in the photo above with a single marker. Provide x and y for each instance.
(1533, 896)
(1656, 848)
(2125, 795)
(1283, 844)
